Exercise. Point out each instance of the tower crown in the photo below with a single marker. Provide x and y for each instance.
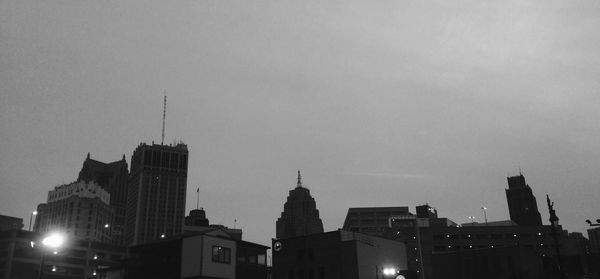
(299, 184)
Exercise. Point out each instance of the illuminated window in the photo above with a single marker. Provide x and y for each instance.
(221, 254)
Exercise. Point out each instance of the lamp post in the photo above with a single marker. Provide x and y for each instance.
(472, 218)
(484, 214)
(54, 241)
(34, 213)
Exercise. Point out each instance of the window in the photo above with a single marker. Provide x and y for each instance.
(221, 254)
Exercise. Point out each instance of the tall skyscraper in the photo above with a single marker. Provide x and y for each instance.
(113, 178)
(80, 209)
(300, 215)
(156, 192)
(522, 205)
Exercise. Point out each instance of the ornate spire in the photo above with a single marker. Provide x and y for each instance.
(299, 180)
(88, 155)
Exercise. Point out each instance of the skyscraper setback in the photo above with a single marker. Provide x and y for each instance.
(156, 192)
(522, 204)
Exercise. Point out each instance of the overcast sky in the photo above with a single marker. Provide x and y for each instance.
(379, 103)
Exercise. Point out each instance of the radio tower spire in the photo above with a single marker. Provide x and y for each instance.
(164, 117)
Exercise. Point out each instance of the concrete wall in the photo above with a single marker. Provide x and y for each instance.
(191, 257)
(216, 269)
(374, 254)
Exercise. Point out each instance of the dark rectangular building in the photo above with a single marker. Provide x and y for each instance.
(522, 204)
(156, 192)
(337, 255)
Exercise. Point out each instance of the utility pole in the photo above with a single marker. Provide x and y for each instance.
(162, 141)
(553, 224)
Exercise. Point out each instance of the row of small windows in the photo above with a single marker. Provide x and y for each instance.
(165, 159)
(459, 247)
(488, 236)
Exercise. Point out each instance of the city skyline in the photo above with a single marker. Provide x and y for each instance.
(379, 104)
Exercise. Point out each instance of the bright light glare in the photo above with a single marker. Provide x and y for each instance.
(54, 240)
(34, 213)
(389, 271)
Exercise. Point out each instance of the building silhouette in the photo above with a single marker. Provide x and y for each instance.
(156, 192)
(211, 254)
(196, 222)
(522, 204)
(79, 209)
(338, 255)
(372, 220)
(9, 222)
(197, 217)
(300, 215)
(113, 178)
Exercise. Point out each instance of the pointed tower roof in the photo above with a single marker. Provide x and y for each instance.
(299, 185)
(300, 215)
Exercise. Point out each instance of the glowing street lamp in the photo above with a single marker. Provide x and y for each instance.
(53, 241)
(389, 271)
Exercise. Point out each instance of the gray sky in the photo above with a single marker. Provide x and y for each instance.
(379, 103)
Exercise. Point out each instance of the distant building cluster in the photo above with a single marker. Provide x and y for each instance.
(433, 247)
(123, 222)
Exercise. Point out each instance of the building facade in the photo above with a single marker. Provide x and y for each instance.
(113, 178)
(337, 255)
(79, 209)
(212, 255)
(21, 257)
(9, 222)
(156, 192)
(300, 215)
(372, 220)
(594, 236)
(426, 235)
(522, 204)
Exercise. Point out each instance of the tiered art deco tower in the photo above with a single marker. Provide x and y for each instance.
(300, 215)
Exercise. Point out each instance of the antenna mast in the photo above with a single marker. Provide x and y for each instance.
(164, 116)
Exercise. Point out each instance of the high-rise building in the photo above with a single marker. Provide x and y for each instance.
(113, 178)
(300, 215)
(156, 192)
(522, 205)
(79, 209)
